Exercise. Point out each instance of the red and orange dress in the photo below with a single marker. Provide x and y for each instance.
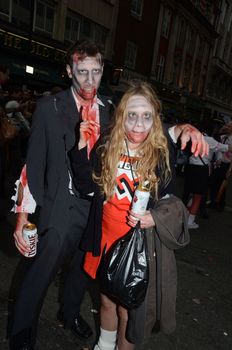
(115, 210)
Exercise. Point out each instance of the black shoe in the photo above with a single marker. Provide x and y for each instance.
(24, 346)
(21, 340)
(60, 318)
(81, 328)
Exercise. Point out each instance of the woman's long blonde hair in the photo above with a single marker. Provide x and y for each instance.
(153, 152)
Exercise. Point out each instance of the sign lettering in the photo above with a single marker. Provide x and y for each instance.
(36, 48)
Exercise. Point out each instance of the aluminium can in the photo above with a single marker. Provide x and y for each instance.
(31, 237)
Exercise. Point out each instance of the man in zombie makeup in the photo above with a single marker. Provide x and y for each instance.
(46, 182)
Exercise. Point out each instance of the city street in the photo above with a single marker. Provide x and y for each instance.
(204, 303)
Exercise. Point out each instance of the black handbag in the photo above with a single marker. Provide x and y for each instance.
(124, 274)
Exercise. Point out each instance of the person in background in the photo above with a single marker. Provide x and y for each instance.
(4, 77)
(46, 182)
(222, 170)
(134, 152)
(14, 109)
(197, 175)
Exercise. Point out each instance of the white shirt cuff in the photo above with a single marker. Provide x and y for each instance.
(171, 132)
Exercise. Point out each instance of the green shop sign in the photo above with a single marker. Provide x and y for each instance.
(22, 44)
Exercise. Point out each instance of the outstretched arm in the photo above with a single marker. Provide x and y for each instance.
(186, 133)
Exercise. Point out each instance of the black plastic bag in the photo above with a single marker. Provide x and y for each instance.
(125, 270)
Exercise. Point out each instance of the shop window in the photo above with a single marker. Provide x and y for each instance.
(137, 8)
(131, 54)
(160, 68)
(44, 20)
(166, 22)
(72, 28)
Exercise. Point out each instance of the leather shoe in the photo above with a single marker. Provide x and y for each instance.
(22, 340)
(22, 346)
(81, 328)
(25, 346)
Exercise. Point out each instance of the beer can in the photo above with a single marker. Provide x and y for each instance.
(140, 200)
(31, 237)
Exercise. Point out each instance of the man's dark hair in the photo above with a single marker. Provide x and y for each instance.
(84, 48)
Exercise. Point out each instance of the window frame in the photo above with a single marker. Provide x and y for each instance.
(46, 5)
(138, 11)
(73, 17)
(130, 48)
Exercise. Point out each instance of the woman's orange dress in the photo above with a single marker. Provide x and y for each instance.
(115, 211)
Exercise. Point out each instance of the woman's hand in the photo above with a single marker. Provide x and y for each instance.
(146, 220)
(87, 128)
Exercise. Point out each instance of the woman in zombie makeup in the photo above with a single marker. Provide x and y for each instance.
(135, 151)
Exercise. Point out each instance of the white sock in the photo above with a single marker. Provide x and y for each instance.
(191, 219)
(107, 340)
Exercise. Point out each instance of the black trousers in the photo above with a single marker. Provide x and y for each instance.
(53, 248)
(217, 177)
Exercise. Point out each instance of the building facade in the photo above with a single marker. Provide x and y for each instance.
(35, 34)
(185, 37)
(173, 44)
(218, 93)
(184, 47)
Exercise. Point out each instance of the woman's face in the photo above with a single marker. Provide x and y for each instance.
(139, 119)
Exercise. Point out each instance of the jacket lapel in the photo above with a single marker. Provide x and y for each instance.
(69, 117)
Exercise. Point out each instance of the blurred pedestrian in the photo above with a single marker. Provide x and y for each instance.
(197, 175)
(4, 77)
(222, 170)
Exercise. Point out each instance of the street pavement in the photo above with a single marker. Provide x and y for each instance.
(204, 301)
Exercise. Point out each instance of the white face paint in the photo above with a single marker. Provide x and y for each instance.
(86, 76)
(139, 119)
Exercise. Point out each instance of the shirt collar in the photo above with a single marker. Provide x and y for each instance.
(98, 100)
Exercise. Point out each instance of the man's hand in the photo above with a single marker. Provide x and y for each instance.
(187, 133)
(21, 245)
(87, 128)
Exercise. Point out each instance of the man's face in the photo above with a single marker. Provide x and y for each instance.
(86, 76)
(139, 119)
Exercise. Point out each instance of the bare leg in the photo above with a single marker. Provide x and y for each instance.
(196, 201)
(109, 325)
(109, 318)
(123, 344)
